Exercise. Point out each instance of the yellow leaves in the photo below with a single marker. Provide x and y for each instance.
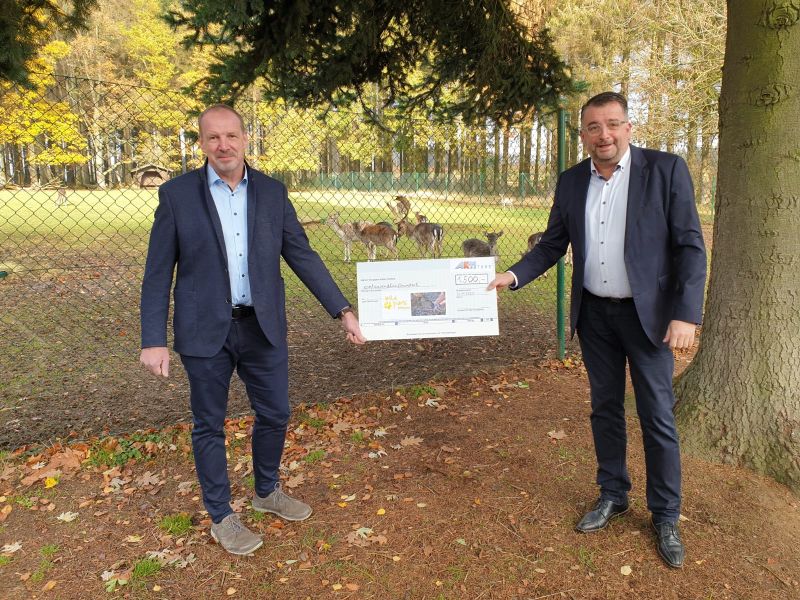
(49, 585)
(380, 512)
(50, 482)
(626, 570)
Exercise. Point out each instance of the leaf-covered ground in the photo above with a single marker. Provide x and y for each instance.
(464, 488)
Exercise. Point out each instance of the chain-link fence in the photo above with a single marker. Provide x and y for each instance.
(80, 163)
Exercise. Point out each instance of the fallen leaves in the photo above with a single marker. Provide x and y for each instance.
(626, 570)
(411, 441)
(11, 548)
(67, 517)
(295, 481)
(557, 435)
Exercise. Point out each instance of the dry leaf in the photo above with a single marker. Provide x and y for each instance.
(67, 517)
(557, 435)
(133, 539)
(295, 481)
(341, 426)
(147, 479)
(238, 505)
(626, 570)
(11, 548)
(49, 585)
(411, 441)
(353, 587)
(230, 591)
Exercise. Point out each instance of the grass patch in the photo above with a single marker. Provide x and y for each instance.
(314, 456)
(176, 524)
(117, 452)
(586, 558)
(314, 422)
(44, 566)
(416, 391)
(145, 568)
(4, 560)
(357, 437)
(49, 551)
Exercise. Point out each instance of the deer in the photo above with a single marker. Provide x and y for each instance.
(373, 235)
(61, 196)
(347, 232)
(428, 236)
(535, 238)
(475, 247)
(400, 208)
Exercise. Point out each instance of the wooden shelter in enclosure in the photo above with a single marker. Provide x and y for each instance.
(150, 176)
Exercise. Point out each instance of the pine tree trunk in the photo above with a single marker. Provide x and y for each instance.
(739, 402)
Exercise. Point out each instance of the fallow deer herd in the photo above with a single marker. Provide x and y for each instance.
(429, 237)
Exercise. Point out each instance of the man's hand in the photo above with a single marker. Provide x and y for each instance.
(353, 329)
(501, 281)
(680, 335)
(156, 360)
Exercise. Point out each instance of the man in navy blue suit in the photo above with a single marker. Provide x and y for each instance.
(639, 270)
(225, 227)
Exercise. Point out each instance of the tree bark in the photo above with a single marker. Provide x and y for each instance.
(739, 402)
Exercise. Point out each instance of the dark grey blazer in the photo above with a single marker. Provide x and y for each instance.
(187, 233)
(665, 256)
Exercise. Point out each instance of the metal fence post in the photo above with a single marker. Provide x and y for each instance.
(561, 283)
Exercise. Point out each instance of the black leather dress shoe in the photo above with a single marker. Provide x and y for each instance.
(669, 544)
(597, 518)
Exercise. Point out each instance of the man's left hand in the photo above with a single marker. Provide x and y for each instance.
(353, 329)
(680, 335)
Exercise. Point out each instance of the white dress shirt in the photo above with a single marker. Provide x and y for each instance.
(606, 213)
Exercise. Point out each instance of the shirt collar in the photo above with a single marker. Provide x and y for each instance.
(623, 164)
(214, 179)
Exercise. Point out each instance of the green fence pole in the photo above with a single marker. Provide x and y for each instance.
(561, 281)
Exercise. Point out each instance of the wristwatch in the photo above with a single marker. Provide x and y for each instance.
(346, 309)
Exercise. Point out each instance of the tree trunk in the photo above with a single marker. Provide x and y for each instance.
(739, 402)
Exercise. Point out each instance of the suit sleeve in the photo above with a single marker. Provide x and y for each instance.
(306, 263)
(688, 248)
(550, 248)
(162, 255)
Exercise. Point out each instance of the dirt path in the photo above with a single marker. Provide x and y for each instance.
(460, 488)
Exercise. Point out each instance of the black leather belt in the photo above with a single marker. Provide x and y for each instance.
(589, 294)
(240, 311)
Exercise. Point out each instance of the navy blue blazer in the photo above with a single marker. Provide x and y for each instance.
(665, 257)
(187, 232)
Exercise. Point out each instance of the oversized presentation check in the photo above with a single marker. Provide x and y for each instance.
(407, 299)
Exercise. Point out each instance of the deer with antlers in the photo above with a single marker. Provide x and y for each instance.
(475, 247)
(428, 236)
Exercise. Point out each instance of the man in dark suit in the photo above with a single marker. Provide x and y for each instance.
(639, 269)
(225, 226)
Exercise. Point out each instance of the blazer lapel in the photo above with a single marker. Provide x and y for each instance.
(579, 206)
(636, 190)
(212, 211)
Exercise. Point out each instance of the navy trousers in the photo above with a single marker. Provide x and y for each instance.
(264, 370)
(610, 335)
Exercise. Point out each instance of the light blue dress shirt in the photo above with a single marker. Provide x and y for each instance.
(232, 210)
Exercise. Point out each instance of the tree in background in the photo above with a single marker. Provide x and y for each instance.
(26, 25)
(331, 52)
(739, 401)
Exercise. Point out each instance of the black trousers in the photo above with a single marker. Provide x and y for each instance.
(264, 370)
(610, 336)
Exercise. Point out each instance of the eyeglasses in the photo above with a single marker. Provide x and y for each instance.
(596, 128)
